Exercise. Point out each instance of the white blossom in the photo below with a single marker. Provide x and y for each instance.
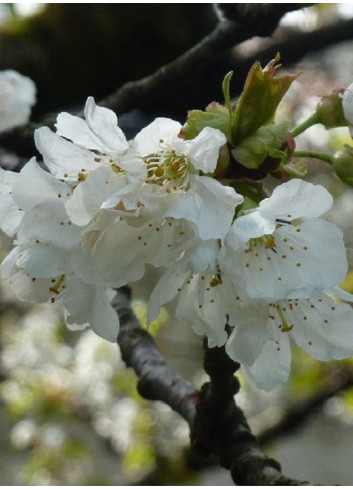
(347, 104)
(17, 96)
(81, 146)
(260, 340)
(41, 266)
(271, 251)
(173, 168)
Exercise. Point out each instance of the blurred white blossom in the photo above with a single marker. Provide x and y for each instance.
(17, 96)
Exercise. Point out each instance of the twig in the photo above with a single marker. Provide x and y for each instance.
(297, 415)
(293, 46)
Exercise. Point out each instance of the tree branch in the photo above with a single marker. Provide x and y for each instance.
(300, 413)
(217, 425)
(221, 427)
(261, 19)
(156, 379)
(293, 46)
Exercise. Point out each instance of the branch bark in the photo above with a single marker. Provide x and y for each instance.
(301, 412)
(260, 20)
(156, 379)
(134, 94)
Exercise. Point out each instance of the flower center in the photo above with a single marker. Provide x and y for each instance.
(168, 169)
(268, 241)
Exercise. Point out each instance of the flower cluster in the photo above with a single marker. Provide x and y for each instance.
(248, 277)
(17, 96)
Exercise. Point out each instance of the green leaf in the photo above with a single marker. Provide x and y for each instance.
(260, 98)
(216, 116)
(266, 141)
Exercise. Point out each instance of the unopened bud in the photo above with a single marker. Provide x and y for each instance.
(330, 110)
(343, 164)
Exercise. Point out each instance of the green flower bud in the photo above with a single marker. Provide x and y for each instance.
(343, 164)
(330, 110)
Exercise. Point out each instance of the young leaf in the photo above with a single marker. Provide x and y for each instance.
(260, 98)
(216, 116)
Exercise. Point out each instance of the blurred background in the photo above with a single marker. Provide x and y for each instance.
(70, 413)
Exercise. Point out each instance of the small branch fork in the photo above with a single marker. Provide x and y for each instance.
(218, 427)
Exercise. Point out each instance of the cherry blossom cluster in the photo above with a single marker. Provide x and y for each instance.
(249, 279)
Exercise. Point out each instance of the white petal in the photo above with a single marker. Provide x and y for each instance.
(35, 185)
(316, 254)
(249, 226)
(209, 205)
(44, 261)
(157, 135)
(10, 215)
(49, 223)
(64, 159)
(295, 199)
(77, 130)
(116, 254)
(166, 289)
(89, 195)
(17, 95)
(322, 327)
(311, 256)
(7, 180)
(203, 309)
(24, 286)
(104, 124)
(87, 305)
(347, 104)
(26, 289)
(250, 335)
(272, 366)
(203, 151)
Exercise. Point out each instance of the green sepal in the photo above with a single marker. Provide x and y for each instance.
(216, 116)
(266, 141)
(260, 98)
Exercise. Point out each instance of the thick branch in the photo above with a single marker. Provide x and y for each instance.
(221, 427)
(213, 47)
(260, 20)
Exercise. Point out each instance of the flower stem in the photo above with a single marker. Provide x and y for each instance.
(314, 154)
(310, 121)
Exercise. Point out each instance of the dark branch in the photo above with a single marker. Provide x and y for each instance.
(301, 412)
(209, 51)
(293, 46)
(156, 379)
(260, 20)
(221, 427)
